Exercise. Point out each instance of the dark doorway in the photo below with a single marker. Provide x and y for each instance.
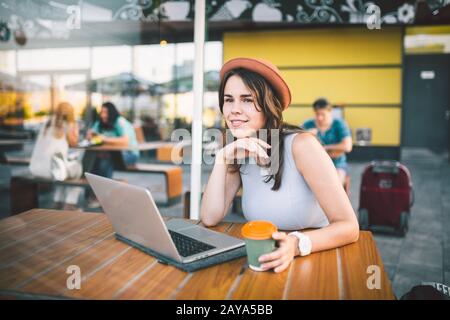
(426, 103)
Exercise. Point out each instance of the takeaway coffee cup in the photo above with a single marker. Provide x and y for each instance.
(258, 241)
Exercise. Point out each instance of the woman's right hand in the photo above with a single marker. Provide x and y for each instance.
(243, 148)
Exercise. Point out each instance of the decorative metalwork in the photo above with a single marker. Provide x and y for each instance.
(357, 10)
(48, 19)
(436, 5)
(323, 12)
(403, 15)
(133, 10)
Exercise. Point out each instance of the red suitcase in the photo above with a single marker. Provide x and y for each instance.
(386, 196)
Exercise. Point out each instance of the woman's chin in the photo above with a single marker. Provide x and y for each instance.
(240, 133)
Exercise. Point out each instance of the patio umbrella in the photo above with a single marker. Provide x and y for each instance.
(125, 84)
(11, 83)
(185, 84)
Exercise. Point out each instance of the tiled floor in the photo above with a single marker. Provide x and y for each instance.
(422, 255)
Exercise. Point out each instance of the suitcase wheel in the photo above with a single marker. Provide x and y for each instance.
(363, 219)
(404, 224)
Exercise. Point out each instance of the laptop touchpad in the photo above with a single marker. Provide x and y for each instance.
(199, 233)
(178, 224)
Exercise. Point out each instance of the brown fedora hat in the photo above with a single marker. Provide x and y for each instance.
(267, 70)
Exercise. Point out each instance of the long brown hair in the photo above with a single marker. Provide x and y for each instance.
(270, 105)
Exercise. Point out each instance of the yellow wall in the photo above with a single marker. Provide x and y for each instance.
(352, 86)
(383, 121)
(318, 47)
(356, 67)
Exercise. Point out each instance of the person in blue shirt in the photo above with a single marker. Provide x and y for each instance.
(333, 133)
(113, 129)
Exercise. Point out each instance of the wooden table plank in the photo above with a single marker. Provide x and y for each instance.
(35, 227)
(127, 270)
(114, 276)
(89, 262)
(144, 146)
(11, 142)
(19, 250)
(49, 257)
(214, 282)
(261, 285)
(54, 281)
(10, 223)
(355, 259)
(118, 264)
(159, 283)
(306, 277)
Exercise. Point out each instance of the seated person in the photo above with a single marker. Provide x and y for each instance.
(113, 129)
(288, 179)
(333, 133)
(58, 134)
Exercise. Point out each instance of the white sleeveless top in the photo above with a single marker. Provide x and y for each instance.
(45, 147)
(292, 207)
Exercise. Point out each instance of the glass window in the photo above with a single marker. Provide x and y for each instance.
(8, 62)
(53, 59)
(108, 61)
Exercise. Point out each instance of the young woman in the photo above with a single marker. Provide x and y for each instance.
(113, 129)
(305, 191)
(56, 136)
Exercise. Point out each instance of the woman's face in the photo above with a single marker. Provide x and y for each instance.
(241, 110)
(104, 115)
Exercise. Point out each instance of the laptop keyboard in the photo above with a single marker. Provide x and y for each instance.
(187, 246)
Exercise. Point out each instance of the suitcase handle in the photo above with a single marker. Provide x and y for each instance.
(385, 166)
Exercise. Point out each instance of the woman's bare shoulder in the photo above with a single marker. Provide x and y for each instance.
(303, 141)
(306, 147)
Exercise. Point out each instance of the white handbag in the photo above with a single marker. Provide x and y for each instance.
(63, 168)
(50, 157)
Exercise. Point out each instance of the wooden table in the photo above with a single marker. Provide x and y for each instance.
(6, 145)
(116, 152)
(37, 247)
(144, 146)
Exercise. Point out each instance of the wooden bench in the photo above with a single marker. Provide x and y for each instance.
(18, 161)
(24, 190)
(173, 175)
(139, 134)
(164, 154)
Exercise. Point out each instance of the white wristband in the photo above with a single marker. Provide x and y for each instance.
(304, 243)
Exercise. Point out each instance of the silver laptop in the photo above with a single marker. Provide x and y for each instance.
(135, 216)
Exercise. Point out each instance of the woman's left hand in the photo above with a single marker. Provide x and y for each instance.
(281, 258)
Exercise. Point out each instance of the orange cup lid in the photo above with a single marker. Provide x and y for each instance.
(258, 230)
